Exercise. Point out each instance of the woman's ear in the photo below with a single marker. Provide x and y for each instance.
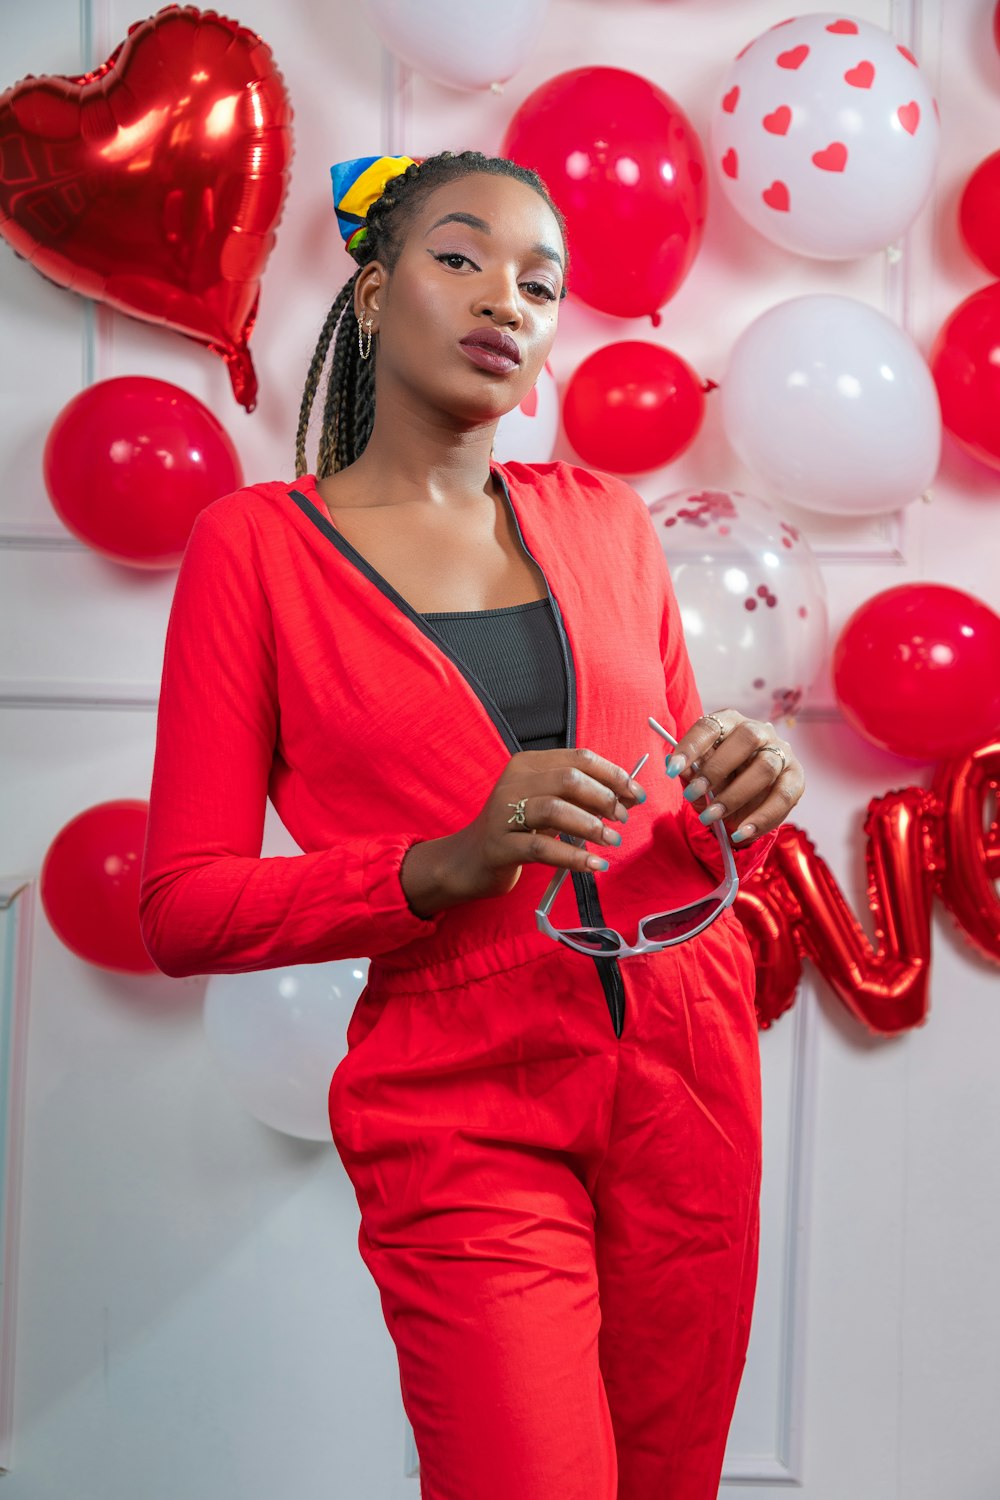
(366, 292)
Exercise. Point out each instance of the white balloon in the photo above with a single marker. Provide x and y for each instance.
(278, 1034)
(831, 406)
(826, 136)
(465, 44)
(751, 597)
(528, 433)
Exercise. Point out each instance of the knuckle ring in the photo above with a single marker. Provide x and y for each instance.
(517, 816)
(776, 750)
(711, 719)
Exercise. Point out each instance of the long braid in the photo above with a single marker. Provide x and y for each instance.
(345, 295)
(349, 405)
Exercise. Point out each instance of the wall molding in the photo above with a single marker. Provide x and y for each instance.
(17, 917)
(785, 1465)
(79, 692)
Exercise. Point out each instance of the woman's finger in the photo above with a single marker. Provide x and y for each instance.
(738, 747)
(696, 743)
(547, 813)
(751, 782)
(542, 850)
(765, 809)
(587, 780)
(770, 812)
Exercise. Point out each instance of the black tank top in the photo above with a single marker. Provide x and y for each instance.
(516, 655)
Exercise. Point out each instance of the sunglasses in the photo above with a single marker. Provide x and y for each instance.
(660, 930)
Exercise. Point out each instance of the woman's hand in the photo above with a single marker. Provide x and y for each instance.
(539, 795)
(738, 769)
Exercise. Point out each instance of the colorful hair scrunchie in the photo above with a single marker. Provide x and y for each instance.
(356, 186)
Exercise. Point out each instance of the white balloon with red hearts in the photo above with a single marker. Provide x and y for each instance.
(825, 136)
(528, 434)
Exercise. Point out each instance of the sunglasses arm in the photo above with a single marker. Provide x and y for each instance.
(552, 889)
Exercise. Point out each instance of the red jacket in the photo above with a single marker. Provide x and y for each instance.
(292, 670)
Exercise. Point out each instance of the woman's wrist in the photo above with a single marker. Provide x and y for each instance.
(425, 877)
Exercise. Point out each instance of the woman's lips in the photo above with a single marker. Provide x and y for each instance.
(489, 359)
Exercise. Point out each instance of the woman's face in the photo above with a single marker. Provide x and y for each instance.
(481, 253)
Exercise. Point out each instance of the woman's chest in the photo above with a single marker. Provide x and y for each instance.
(466, 558)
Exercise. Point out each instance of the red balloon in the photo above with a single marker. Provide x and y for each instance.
(89, 886)
(155, 183)
(794, 909)
(996, 26)
(979, 214)
(627, 170)
(965, 363)
(631, 407)
(776, 956)
(130, 462)
(915, 671)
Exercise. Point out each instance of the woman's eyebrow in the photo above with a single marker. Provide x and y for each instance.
(474, 222)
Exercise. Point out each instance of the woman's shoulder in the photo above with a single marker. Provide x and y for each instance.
(241, 513)
(564, 482)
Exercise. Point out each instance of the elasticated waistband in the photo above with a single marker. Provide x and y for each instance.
(467, 967)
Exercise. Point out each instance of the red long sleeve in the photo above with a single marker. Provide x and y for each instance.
(288, 674)
(208, 902)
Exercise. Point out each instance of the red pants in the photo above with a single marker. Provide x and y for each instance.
(562, 1225)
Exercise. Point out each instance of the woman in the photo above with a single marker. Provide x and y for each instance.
(441, 669)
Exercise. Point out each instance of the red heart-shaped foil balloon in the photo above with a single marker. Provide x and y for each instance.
(155, 183)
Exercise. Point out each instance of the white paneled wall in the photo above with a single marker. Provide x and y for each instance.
(194, 1318)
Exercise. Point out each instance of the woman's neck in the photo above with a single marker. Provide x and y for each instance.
(410, 459)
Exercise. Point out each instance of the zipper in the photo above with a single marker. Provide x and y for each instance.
(349, 551)
(588, 902)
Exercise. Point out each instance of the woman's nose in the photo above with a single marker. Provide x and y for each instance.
(501, 304)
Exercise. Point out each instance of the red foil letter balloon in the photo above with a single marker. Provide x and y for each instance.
(920, 843)
(155, 183)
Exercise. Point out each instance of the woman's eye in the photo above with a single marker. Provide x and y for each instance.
(455, 259)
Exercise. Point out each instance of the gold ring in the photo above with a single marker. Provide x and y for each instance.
(517, 816)
(719, 725)
(778, 751)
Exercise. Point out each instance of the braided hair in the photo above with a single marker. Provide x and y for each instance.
(349, 405)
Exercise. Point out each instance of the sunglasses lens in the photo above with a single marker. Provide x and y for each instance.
(594, 939)
(677, 924)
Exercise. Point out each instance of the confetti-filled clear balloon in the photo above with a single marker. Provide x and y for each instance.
(277, 1036)
(751, 596)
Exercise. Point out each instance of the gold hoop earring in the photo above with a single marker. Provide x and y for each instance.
(364, 352)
